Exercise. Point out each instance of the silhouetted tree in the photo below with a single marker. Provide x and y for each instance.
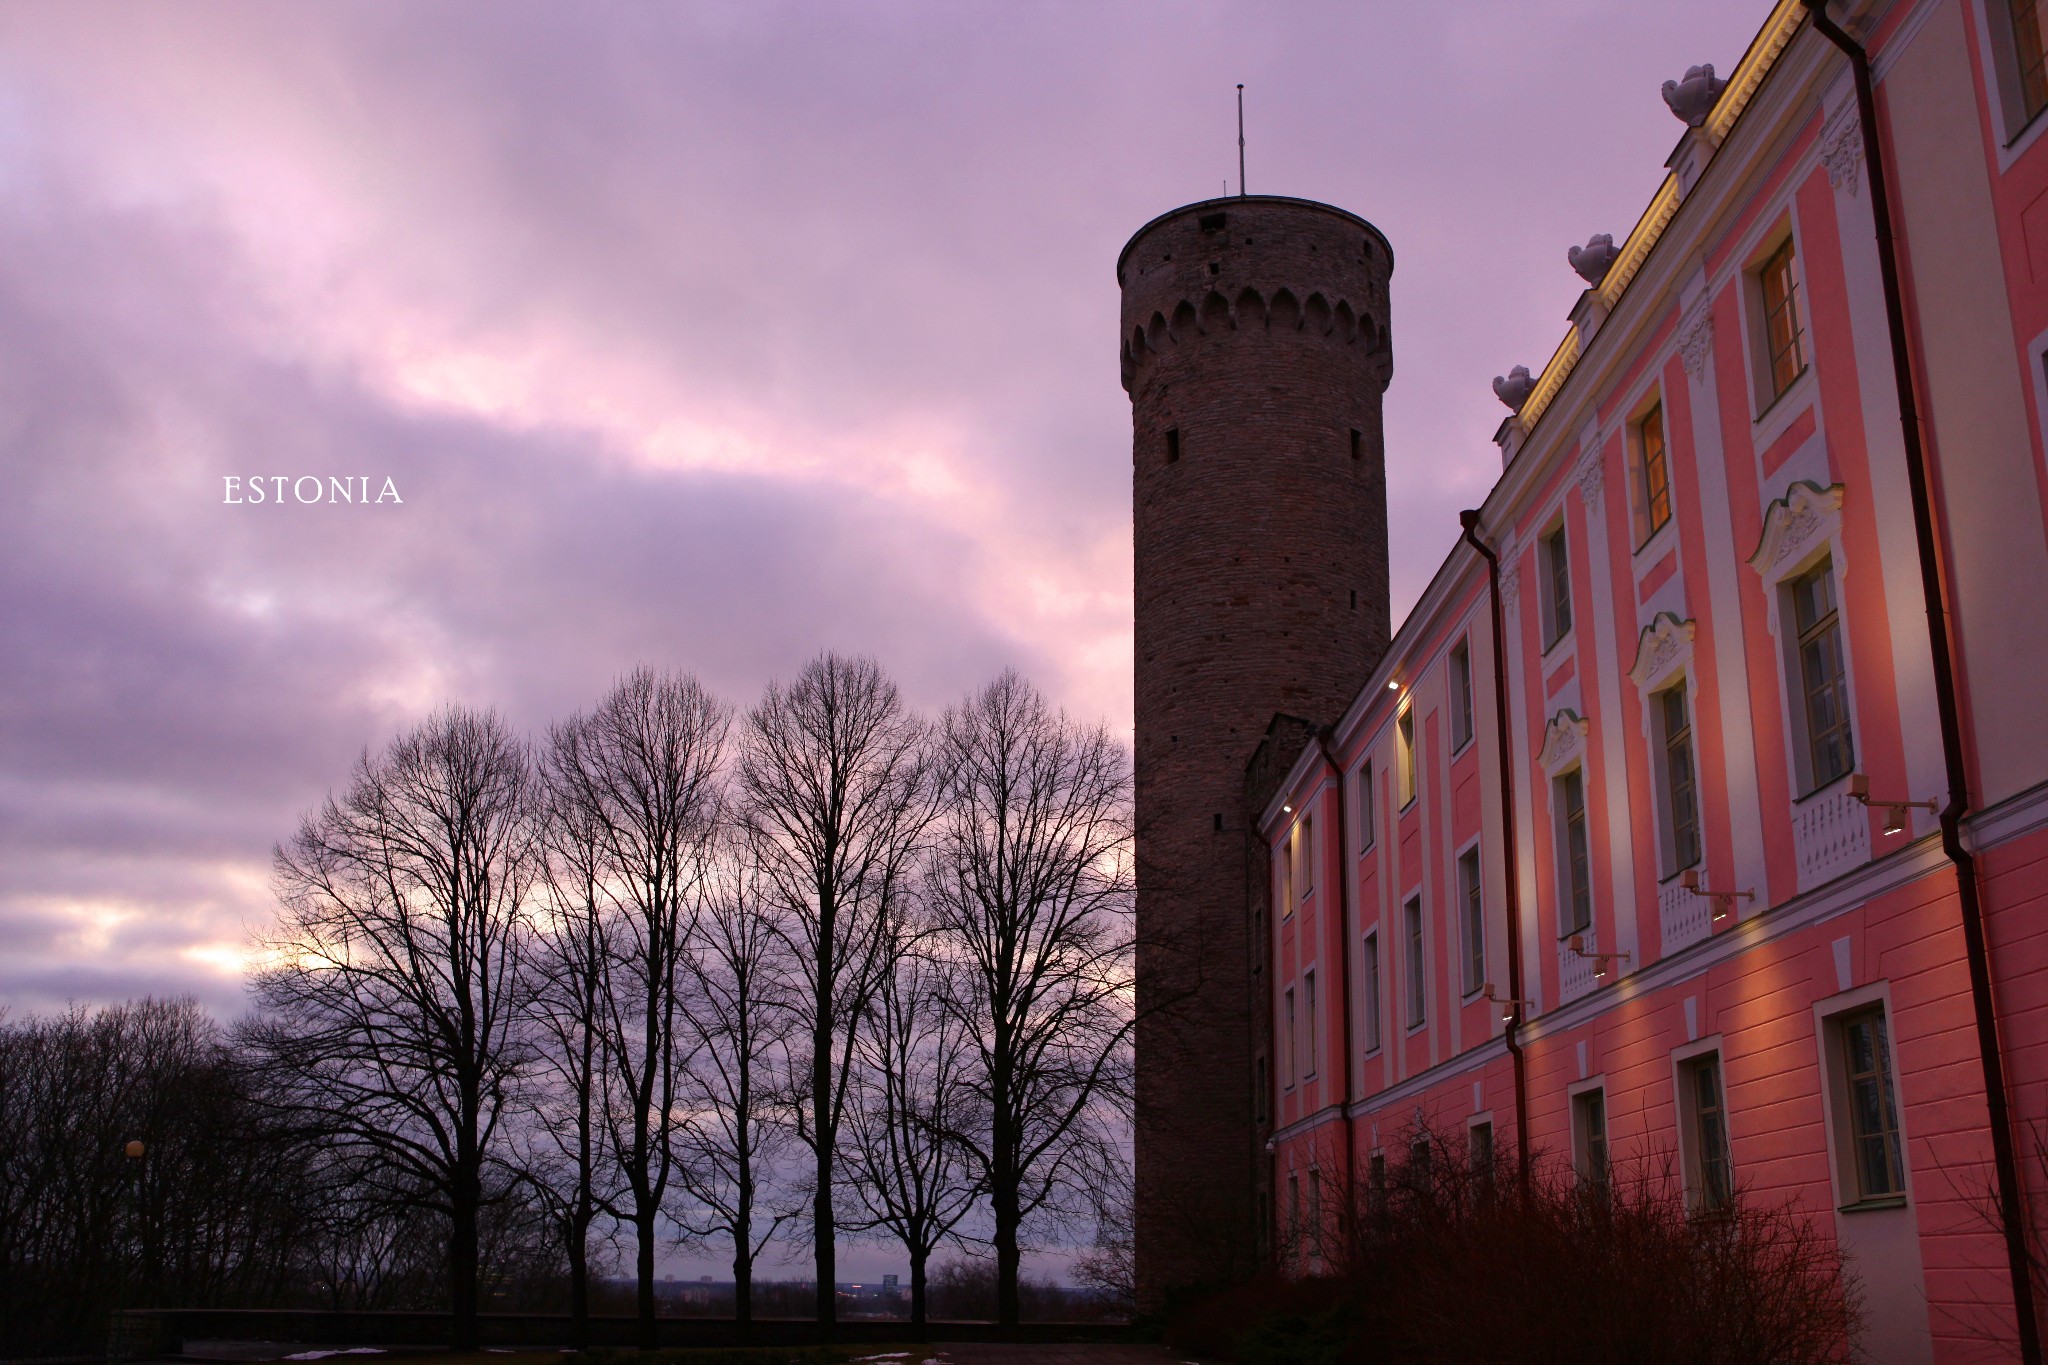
(835, 796)
(389, 1012)
(914, 1178)
(740, 1003)
(1030, 883)
(641, 775)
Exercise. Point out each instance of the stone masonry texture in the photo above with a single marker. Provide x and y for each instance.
(1255, 347)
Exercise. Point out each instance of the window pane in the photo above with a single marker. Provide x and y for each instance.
(1560, 585)
(1873, 1111)
(2027, 51)
(1472, 893)
(1782, 337)
(1415, 973)
(1578, 870)
(1680, 790)
(1829, 748)
(1656, 475)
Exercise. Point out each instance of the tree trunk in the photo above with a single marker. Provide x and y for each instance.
(579, 1277)
(643, 1228)
(462, 1259)
(1007, 1258)
(823, 1257)
(743, 1235)
(743, 1289)
(917, 1307)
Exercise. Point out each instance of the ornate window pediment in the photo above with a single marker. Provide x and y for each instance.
(1564, 739)
(1664, 647)
(1794, 525)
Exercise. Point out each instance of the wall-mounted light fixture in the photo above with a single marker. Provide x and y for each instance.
(1286, 809)
(1508, 1004)
(1724, 901)
(1393, 686)
(1894, 811)
(1600, 961)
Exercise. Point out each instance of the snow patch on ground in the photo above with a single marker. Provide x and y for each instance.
(350, 1351)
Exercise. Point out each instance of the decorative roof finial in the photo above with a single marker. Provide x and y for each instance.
(1692, 98)
(1593, 259)
(1515, 388)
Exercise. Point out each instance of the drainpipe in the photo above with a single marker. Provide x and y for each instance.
(1347, 872)
(2010, 1204)
(1470, 521)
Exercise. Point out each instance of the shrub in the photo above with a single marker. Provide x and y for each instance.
(1447, 1263)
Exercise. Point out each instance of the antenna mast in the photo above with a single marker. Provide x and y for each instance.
(1240, 139)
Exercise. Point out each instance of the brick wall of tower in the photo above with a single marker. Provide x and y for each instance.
(1256, 329)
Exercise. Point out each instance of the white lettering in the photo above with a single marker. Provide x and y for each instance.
(299, 486)
(255, 488)
(389, 488)
(229, 493)
(279, 479)
(341, 490)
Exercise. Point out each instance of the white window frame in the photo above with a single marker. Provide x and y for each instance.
(1366, 804)
(1407, 785)
(1371, 997)
(1802, 527)
(1557, 535)
(1464, 713)
(1685, 1103)
(1999, 56)
(1829, 1017)
(1581, 1144)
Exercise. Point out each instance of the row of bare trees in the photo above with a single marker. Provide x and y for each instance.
(822, 969)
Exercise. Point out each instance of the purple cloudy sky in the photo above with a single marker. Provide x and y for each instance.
(709, 335)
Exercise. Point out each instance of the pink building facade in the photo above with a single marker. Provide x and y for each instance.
(1725, 927)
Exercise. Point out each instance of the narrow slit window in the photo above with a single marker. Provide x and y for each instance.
(1172, 444)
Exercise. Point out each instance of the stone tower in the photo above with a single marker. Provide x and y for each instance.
(1255, 349)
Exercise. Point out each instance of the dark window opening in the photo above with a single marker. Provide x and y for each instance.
(1357, 444)
(1214, 222)
(1219, 820)
(1215, 269)
(1172, 444)
(1354, 599)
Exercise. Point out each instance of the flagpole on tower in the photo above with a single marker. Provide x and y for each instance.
(1240, 139)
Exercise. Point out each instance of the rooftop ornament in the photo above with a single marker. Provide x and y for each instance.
(1592, 260)
(1692, 98)
(1514, 389)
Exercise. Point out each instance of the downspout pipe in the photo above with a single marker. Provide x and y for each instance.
(2011, 1212)
(1469, 519)
(1347, 872)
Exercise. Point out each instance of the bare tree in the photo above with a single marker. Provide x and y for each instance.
(910, 1099)
(571, 973)
(1031, 884)
(641, 775)
(388, 1014)
(836, 798)
(730, 1140)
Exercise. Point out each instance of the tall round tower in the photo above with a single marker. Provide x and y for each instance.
(1255, 350)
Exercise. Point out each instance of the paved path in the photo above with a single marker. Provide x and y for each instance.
(958, 1353)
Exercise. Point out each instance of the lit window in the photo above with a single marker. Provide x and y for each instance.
(1873, 1110)
(1831, 753)
(1404, 728)
(1304, 858)
(1557, 588)
(1589, 1136)
(1416, 1011)
(2030, 65)
(1461, 695)
(1653, 475)
(1784, 337)
(1283, 875)
(1369, 994)
(1471, 900)
(1681, 790)
(1574, 854)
